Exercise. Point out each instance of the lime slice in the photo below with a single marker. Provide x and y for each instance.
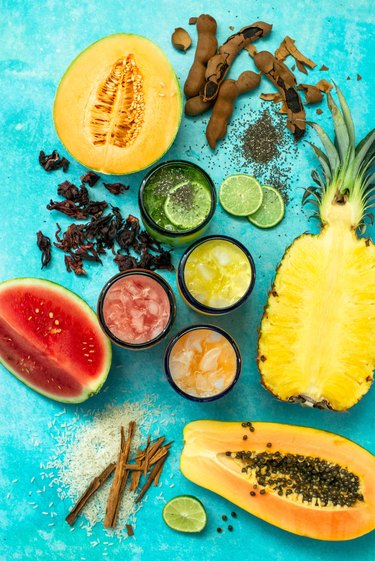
(185, 514)
(271, 211)
(240, 194)
(188, 205)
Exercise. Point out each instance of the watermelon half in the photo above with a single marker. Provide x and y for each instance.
(51, 340)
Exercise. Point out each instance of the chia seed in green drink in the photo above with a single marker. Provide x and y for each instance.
(178, 198)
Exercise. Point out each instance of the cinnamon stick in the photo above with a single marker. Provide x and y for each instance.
(95, 484)
(120, 478)
(150, 451)
(159, 453)
(134, 467)
(136, 475)
(153, 474)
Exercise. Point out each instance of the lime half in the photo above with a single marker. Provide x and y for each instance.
(188, 205)
(271, 211)
(240, 194)
(185, 514)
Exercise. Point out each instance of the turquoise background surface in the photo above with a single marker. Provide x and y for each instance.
(38, 42)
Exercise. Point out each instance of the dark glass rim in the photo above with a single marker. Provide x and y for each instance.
(190, 298)
(173, 341)
(149, 219)
(172, 303)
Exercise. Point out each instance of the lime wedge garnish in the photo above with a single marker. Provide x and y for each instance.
(271, 211)
(240, 194)
(187, 205)
(185, 514)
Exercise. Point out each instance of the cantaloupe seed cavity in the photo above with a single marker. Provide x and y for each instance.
(115, 113)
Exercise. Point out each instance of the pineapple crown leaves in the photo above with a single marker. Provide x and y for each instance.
(347, 169)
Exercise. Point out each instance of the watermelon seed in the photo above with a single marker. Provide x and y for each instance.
(29, 318)
(37, 310)
(57, 322)
(51, 315)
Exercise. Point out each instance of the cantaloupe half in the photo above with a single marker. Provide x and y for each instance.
(118, 106)
(204, 461)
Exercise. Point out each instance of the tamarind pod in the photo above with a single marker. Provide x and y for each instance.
(283, 78)
(206, 48)
(219, 64)
(195, 106)
(224, 105)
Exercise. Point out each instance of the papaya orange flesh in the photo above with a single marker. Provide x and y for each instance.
(118, 106)
(209, 459)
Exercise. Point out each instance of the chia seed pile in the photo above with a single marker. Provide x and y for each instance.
(314, 479)
(264, 148)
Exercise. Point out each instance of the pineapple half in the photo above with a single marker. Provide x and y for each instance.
(317, 336)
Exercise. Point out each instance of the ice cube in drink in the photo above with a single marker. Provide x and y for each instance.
(203, 362)
(136, 309)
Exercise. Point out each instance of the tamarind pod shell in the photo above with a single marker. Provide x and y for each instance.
(181, 39)
(218, 66)
(206, 48)
(196, 106)
(280, 75)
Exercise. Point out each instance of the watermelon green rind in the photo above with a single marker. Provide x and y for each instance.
(90, 387)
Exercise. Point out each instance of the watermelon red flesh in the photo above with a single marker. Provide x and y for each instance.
(51, 339)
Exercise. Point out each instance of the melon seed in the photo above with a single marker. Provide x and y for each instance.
(116, 115)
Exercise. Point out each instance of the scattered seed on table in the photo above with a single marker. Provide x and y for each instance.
(219, 530)
(224, 517)
(230, 528)
(233, 515)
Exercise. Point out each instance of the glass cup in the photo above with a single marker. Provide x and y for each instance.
(172, 173)
(186, 343)
(243, 292)
(126, 303)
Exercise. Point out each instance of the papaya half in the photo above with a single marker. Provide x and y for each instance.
(306, 481)
(118, 106)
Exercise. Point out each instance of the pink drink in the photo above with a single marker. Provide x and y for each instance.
(136, 309)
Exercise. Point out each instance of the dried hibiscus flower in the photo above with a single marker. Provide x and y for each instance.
(90, 177)
(68, 191)
(116, 188)
(75, 264)
(53, 161)
(44, 244)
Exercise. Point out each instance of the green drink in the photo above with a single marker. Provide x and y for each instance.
(177, 200)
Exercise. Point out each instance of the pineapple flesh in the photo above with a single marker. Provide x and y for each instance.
(317, 337)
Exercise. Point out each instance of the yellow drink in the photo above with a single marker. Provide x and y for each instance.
(217, 274)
